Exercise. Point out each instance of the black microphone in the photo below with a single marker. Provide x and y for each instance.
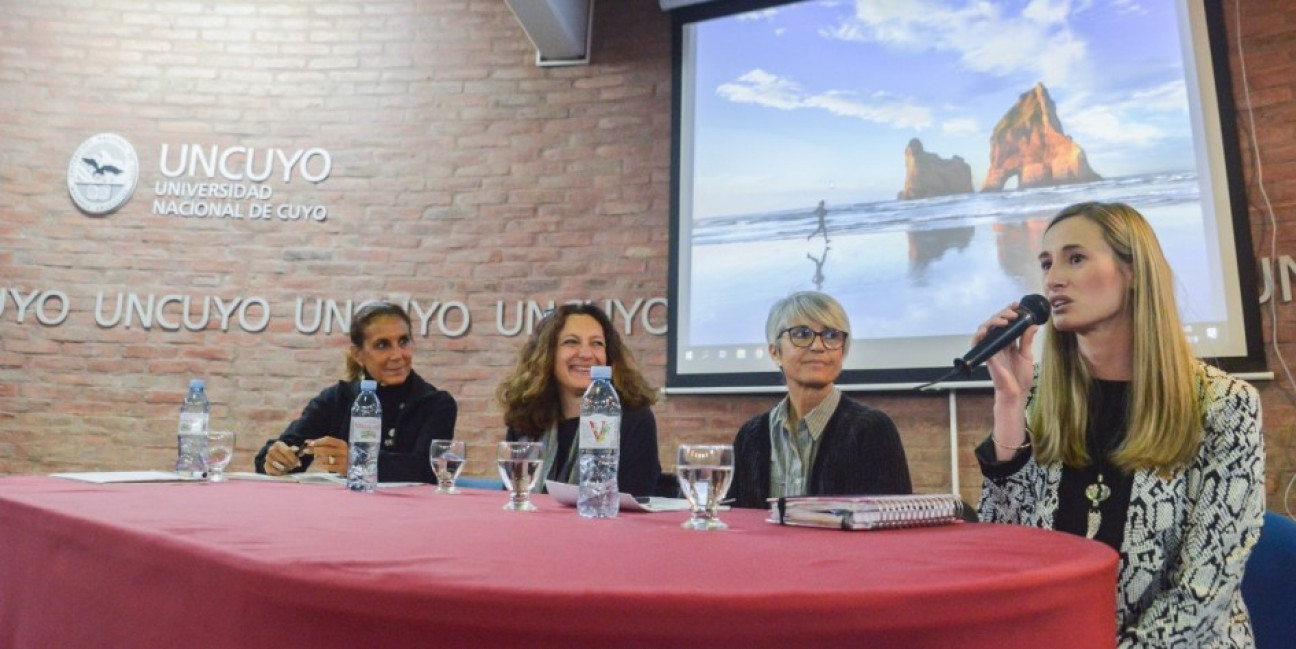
(1032, 310)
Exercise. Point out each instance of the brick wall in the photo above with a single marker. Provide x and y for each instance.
(1267, 45)
(461, 173)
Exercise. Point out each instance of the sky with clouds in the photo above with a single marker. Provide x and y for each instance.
(816, 100)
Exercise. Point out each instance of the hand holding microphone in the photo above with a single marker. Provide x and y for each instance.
(1012, 373)
(1000, 331)
(1012, 369)
(1032, 310)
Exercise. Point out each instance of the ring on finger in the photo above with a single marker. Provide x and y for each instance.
(278, 465)
(331, 460)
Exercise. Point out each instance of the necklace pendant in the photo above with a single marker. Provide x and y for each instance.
(1096, 493)
(1095, 521)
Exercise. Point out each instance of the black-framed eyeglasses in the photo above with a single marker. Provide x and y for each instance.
(803, 336)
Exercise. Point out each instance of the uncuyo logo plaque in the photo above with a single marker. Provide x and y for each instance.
(101, 175)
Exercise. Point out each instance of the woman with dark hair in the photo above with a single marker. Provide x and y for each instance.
(541, 396)
(414, 412)
(1124, 437)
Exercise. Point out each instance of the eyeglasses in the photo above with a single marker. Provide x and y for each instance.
(803, 336)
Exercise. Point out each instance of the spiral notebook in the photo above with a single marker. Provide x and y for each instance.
(867, 512)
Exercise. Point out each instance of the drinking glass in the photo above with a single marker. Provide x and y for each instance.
(448, 458)
(704, 471)
(519, 467)
(217, 453)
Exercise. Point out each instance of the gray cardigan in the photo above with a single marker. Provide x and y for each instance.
(859, 454)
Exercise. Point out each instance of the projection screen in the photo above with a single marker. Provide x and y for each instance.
(904, 157)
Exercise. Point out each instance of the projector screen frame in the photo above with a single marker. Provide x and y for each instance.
(891, 379)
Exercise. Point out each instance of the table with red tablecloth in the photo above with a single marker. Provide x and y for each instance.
(258, 564)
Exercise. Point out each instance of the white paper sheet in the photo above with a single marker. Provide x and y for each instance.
(566, 494)
(111, 477)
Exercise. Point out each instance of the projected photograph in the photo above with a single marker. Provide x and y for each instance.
(905, 157)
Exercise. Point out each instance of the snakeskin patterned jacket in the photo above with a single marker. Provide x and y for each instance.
(1187, 535)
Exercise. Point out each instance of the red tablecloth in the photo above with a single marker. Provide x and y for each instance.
(251, 564)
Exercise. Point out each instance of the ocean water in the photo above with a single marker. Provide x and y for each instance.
(931, 267)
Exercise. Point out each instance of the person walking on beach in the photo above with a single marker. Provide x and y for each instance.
(820, 212)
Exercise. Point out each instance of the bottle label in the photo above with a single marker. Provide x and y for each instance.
(193, 423)
(366, 429)
(600, 431)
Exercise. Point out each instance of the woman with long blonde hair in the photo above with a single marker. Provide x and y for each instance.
(541, 395)
(1124, 437)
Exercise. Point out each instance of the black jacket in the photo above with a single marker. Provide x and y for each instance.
(420, 412)
(859, 454)
(639, 466)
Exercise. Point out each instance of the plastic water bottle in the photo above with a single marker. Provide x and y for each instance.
(366, 432)
(192, 434)
(600, 446)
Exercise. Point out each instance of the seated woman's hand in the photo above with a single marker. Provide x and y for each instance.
(281, 459)
(330, 453)
(1012, 369)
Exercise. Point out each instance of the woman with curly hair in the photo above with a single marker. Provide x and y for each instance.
(541, 396)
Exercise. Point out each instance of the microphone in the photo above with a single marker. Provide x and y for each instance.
(1032, 310)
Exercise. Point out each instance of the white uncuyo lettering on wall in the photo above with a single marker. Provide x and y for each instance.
(312, 165)
(129, 310)
(1286, 268)
(38, 303)
(311, 316)
(513, 318)
(229, 182)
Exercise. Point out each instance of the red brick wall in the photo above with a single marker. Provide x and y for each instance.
(1267, 45)
(461, 172)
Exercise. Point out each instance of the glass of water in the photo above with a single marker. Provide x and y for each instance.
(704, 471)
(217, 453)
(448, 458)
(519, 467)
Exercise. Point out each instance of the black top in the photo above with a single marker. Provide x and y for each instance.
(414, 414)
(1107, 428)
(638, 465)
(859, 454)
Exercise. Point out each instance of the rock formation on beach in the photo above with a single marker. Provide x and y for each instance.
(928, 175)
(1028, 142)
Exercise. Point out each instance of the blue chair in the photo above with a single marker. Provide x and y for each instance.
(479, 483)
(1269, 584)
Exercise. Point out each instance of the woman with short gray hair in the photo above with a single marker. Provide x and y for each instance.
(816, 441)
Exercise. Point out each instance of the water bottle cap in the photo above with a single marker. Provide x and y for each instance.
(196, 384)
(601, 372)
(368, 384)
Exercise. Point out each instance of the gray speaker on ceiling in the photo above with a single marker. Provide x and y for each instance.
(560, 29)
